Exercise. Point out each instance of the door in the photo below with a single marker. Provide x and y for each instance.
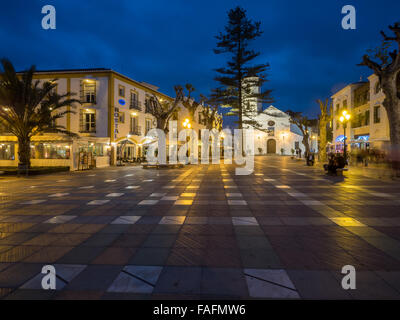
(271, 146)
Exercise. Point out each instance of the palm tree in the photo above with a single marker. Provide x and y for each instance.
(29, 108)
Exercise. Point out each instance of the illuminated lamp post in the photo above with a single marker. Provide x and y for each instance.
(344, 119)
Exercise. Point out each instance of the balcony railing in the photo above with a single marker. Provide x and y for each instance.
(85, 129)
(136, 130)
(88, 97)
(135, 104)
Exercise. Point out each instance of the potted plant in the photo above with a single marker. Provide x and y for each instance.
(260, 151)
(293, 151)
(282, 151)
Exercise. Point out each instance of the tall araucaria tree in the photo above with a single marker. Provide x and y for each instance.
(386, 65)
(324, 118)
(240, 82)
(29, 107)
(163, 110)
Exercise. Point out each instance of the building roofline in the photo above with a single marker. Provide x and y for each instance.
(100, 70)
(349, 85)
(71, 70)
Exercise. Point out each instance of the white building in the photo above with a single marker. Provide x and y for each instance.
(111, 121)
(278, 135)
(369, 125)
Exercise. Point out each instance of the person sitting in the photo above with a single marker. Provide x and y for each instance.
(341, 162)
(332, 165)
(310, 159)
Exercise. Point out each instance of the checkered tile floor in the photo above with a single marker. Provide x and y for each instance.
(285, 231)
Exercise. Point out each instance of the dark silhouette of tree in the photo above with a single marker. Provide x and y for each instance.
(239, 78)
(324, 118)
(163, 110)
(385, 62)
(190, 103)
(210, 114)
(29, 108)
(305, 125)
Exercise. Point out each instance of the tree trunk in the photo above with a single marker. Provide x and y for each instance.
(306, 144)
(24, 153)
(392, 107)
(322, 141)
(394, 125)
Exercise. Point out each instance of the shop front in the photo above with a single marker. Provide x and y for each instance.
(58, 151)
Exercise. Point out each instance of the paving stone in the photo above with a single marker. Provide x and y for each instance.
(267, 283)
(114, 195)
(60, 219)
(237, 202)
(136, 279)
(227, 282)
(172, 220)
(317, 285)
(183, 280)
(126, 220)
(148, 202)
(150, 256)
(64, 274)
(94, 277)
(98, 202)
(244, 221)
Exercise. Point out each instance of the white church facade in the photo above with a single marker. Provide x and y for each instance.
(277, 134)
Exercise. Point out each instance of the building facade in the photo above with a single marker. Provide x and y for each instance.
(111, 122)
(277, 134)
(368, 127)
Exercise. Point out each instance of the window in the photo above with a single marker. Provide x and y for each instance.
(337, 108)
(147, 105)
(134, 101)
(98, 149)
(377, 114)
(88, 120)
(121, 118)
(4, 127)
(366, 118)
(148, 126)
(7, 151)
(344, 104)
(200, 117)
(378, 88)
(296, 145)
(121, 91)
(271, 131)
(337, 125)
(88, 91)
(43, 150)
(134, 128)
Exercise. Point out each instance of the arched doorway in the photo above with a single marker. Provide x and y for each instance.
(271, 146)
(126, 151)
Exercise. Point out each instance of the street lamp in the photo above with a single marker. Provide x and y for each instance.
(186, 124)
(344, 119)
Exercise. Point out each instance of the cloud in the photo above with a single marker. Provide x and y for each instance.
(170, 42)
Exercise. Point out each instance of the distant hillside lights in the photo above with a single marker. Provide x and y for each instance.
(211, 144)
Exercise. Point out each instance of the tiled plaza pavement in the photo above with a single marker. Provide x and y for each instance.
(285, 231)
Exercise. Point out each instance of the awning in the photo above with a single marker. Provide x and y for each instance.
(340, 138)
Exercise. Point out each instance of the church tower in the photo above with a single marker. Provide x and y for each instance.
(251, 105)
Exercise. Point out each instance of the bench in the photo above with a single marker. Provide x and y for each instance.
(339, 171)
(162, 166)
